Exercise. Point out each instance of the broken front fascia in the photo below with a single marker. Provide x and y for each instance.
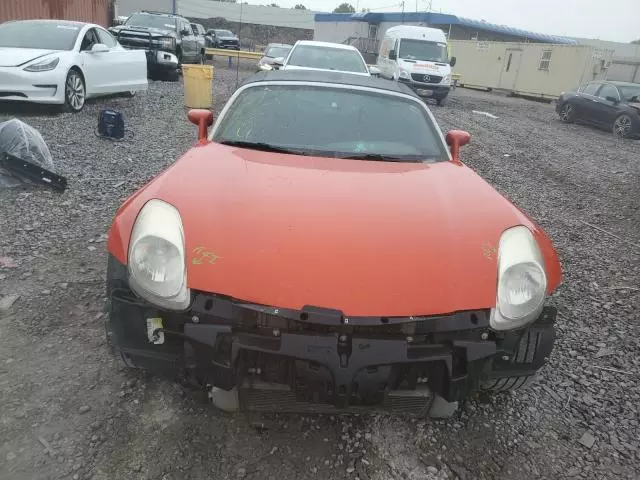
(213, 341)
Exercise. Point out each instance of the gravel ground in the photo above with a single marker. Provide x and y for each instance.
(70, 411)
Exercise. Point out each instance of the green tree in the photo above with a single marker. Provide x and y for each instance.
(273, 5)
(636, 41)
(300, 7)
(344, 8)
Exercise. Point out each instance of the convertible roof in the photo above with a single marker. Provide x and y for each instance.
(315, 76)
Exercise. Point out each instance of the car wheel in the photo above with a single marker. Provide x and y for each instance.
(500, 381)
(567, 113)
(623, 126)
(172, 75)
(75, 91)
(441, 102)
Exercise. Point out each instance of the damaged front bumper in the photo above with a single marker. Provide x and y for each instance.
(280, 359)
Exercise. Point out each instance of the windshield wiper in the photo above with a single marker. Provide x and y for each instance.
(265, 147)
(377, 156)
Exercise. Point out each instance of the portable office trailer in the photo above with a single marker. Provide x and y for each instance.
(529, 69)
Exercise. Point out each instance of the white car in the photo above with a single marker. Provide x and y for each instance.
(63, 62)
(311, 55)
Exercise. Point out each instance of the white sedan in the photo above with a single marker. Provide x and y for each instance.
(324, 56)
(63, 62)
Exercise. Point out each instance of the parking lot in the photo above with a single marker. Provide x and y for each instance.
(71, 411)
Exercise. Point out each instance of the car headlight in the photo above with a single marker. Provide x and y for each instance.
(522, 281)
(157, 270)
(404, 74)
(446, 79)
(43, 65)
(168, 43)
(265, 67)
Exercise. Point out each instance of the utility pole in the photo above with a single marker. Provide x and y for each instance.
(402, 11)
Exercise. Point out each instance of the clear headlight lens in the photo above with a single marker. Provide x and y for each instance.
(522, 281)
(446, 79)
(405, 74)
(157, 270)
(265, 66)
(168, 43)
(44, 65)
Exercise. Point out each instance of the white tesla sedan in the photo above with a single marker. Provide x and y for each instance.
(63, 62)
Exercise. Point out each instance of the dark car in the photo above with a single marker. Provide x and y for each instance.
(219, 38)
(167, 39)
(201, 35)
(273, 51)
(611, 105)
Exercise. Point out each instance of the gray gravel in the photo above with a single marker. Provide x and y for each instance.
(70, 411)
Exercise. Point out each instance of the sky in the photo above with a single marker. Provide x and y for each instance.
(615, 20)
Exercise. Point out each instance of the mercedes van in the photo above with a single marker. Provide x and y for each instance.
(419, 57)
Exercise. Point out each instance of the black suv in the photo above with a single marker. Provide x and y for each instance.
(219, 38)
(168, 40)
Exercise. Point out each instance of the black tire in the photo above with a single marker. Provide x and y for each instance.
(508, 384)
(623, 126)
(501, 381)
(567, 113)
(172, 75)
(441, 102)
(75, 91)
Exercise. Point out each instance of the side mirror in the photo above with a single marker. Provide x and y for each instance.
(612, 99)
(185, 33)
(455, 140)
(392, 55)
(99, 48)
(203, 119)
(452, 61)
(374, 71)
(277, 62)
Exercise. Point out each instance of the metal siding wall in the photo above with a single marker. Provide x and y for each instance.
(255, 14)
(92, 11)
(128, 7)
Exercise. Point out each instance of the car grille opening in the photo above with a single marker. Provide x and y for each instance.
(425, 78)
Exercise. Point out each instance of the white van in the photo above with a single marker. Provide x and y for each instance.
(417, 56)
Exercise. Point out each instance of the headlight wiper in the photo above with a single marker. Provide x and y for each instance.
(265, 147)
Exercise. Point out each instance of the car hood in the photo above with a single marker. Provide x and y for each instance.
(154, 32)
(421, 66)
(14, 57)
(296, 67)
(363, 237)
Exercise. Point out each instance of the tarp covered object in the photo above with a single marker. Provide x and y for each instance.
(25, 142)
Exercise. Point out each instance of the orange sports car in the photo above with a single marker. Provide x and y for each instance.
(323, 247)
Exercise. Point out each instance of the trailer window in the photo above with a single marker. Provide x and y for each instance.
(545, 60)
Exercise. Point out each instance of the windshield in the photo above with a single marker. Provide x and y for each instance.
(332, 122)
(275, 52)
(422, 50)
(327, 58)
(630, 92)
(40, 35)
(151, 21)
(223, 33)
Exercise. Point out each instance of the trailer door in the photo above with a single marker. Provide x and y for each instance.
(510, 68)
